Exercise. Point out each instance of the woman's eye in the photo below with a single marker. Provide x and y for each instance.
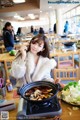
(40, 46)
(33, 42)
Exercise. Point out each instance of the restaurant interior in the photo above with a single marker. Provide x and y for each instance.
(60, 23)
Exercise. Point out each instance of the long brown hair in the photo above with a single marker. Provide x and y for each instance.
(37, 39)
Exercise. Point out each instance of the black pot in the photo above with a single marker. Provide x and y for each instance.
(25, 88)
(68, 43)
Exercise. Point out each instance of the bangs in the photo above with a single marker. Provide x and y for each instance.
(41, 40)
(37, 40)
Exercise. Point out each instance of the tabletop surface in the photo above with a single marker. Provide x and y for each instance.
(6, 57)
(16, 45)
(67, 112)
(60, 52)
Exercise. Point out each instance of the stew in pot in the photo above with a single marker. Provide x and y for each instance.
(39, 93)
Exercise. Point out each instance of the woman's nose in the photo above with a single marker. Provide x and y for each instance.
(36, 45)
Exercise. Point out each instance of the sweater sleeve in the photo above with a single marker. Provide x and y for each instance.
(53, 63)
(18, 68)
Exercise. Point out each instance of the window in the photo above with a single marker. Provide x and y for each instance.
(73, 17)
(78, 10)
(72, 12)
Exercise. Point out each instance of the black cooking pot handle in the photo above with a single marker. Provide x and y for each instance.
(58, 86)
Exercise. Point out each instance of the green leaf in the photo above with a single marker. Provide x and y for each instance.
(70, 84)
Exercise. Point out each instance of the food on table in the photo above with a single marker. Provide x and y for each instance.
(12, 52)
(39, 93)
(71, 93)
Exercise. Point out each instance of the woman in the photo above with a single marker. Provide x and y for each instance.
(19, 32)
(33, 63)
(66, 27)
(8, 37)
(41, 31)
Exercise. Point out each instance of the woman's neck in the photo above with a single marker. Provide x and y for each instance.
(36, 58)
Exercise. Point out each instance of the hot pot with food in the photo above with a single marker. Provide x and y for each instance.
(39, 100)
(40, 91)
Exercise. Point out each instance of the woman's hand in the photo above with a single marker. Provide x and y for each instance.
(23, 50)
(57, 81)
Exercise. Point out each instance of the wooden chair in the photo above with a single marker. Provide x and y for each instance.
(66, 74)
(2, 49)
(77, 59)
(7, 65)
(66, 60)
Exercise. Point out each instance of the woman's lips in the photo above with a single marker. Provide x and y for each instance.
(33, 49)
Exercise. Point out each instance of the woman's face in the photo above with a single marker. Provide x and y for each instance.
(37, 47)
(9, 27)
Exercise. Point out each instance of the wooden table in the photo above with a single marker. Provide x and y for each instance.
(65, 41)
(66, 110)
(55, 52)
(16, 46)
(5, 57)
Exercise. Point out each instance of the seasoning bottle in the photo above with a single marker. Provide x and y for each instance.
(9, 86)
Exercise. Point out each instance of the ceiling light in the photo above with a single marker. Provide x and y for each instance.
(19, 17)
(31, 16)
(50, 6)
(18, 1)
